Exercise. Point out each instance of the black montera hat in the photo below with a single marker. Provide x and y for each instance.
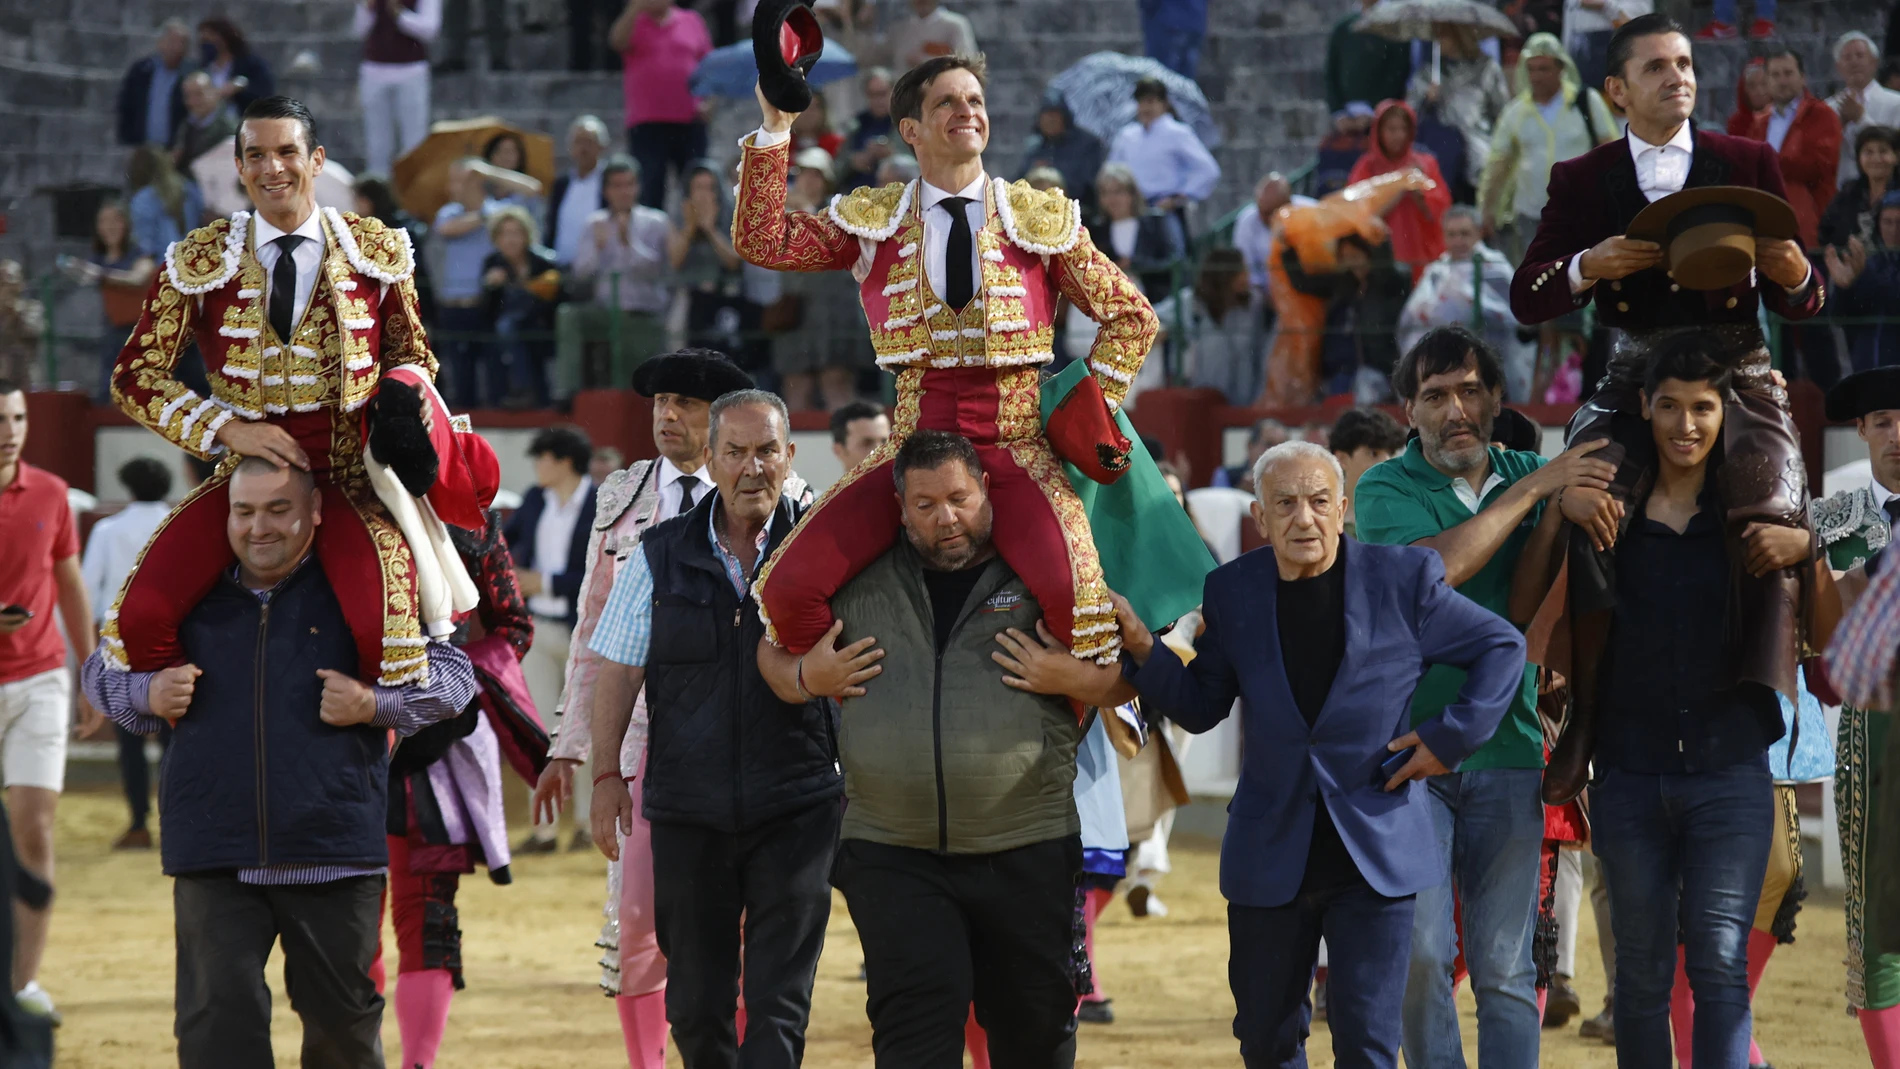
(786, 42)
(702, 373)
(1864, 392)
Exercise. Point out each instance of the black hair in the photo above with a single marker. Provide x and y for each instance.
(566, 443)
(521, 147)
(930, 450)
(1686, 359)
(147, 477)
(376, 189)
(843, 418)
(1368, 428)
(8, 386)
(1353, 241)
(619, 163)
(907, 96)
(1445, 349)
(278, 107)
(1886, 135)
(1623, 41)
(1778, 50)
(1516, 431)
(1151, 89)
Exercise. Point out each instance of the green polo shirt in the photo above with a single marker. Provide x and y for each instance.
(1404, 500)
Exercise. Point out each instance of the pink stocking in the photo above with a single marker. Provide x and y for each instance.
(976, 1042)
(1882, 1029)
(1097, 900)
(422, 1013)
(643, 1025)
(738, 1022)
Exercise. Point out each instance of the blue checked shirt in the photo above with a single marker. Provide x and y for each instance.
(625, 631)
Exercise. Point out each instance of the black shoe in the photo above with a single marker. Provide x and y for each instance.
(1095, 1012)
(1562, 1003)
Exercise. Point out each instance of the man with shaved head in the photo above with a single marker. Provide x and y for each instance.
(1322, 838)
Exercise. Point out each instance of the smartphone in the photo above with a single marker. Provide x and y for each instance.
(1391, 765)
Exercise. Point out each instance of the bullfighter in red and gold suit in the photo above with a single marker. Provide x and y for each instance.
(294, 356)
(959, 276)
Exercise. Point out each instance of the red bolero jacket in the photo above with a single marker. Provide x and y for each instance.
(1595, 196)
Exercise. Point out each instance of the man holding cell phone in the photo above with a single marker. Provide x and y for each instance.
(39, 571)
(1322, 639)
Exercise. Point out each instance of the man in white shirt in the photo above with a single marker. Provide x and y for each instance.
(1862, 101)
(111, 551)
(933, 32)
(578, 193)
(547, 536)
(1253, 227)
(1171, 165)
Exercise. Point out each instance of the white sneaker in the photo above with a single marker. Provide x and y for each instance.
(34, 1000)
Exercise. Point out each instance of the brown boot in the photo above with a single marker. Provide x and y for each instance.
(133, 839)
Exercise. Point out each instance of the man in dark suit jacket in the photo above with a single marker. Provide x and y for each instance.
(1580, 254)
(157, 74)
(1323, 639)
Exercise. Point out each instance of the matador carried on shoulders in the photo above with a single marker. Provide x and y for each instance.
(960, 274)
(305, 318)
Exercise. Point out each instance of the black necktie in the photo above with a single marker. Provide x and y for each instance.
(1892, 509)
(687, 485)
(959, 286)
(283, 288)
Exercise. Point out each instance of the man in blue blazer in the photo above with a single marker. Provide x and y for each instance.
(1323, 640)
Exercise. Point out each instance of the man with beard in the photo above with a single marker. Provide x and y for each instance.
(742, 792)
(1480, 507)
(961, 840)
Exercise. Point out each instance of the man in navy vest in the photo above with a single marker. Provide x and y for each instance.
(272, 796)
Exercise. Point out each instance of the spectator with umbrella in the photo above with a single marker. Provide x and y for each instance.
(1461, 97)
(1361, 65)
(1167, 158)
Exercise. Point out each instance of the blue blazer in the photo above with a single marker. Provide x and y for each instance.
(519, 533)
(1400, 617)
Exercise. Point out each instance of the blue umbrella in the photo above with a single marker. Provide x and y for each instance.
(1100, 92)
(732, 72)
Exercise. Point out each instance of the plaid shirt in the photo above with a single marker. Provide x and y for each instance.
(1860, 659)
(625, 631)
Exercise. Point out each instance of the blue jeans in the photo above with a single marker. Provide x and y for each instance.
(1490, 829)
(1270, 960)
(1725, 12)
(1176, 49)
(1683, 855)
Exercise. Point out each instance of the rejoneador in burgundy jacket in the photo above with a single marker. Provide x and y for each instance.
(1595, 196)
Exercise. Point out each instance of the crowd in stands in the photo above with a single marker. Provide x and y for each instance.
(536, 293)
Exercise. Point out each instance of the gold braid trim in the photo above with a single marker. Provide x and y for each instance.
(1095, 635)
(872, 213)
(1092, 282)
(1045, 222)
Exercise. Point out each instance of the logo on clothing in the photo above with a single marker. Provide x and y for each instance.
(1002, 601)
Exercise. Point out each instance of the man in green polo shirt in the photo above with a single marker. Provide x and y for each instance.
(1481, 508)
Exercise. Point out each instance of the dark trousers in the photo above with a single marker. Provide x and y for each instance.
(587, 22)
(135, 774)
(941, 932)
(1270, 962)
(455, 27)
(662, 146)
(225, 930)
(705, 884)
(1684, 857)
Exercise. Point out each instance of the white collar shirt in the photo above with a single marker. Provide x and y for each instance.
(308, 258)
(937, 230)
(1780, 119)
(553, 537)
(669, 489)
(1474, 499)
(1660, 170)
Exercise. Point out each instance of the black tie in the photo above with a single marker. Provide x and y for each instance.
(687, 485)
(958, 257)
(283, 288)
(1892, 509)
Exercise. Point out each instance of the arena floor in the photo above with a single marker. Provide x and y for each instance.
(531, 1000)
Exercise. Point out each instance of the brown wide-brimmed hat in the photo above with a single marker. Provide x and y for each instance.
(1708, 232)
(786, 42)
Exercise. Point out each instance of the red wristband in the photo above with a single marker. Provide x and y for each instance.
(609, 774)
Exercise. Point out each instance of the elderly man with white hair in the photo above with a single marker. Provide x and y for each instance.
(1322, 638)
(1862, 101)
(579, 192)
